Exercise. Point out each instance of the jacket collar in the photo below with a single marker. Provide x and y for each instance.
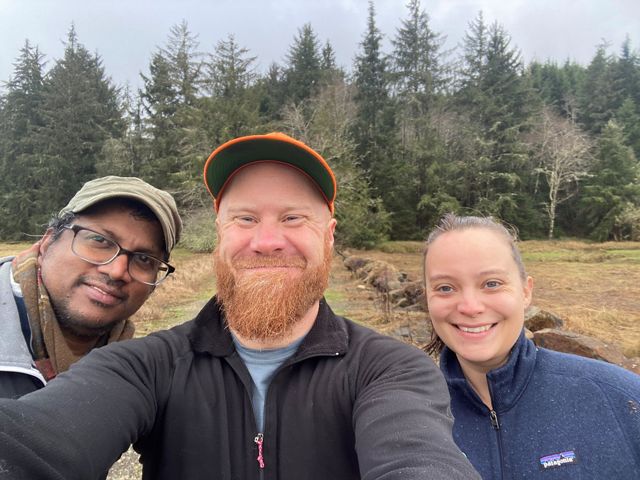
(328, 336)
(506, 383)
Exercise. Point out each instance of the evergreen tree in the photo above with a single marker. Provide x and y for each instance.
(272, 92)
(330, 72)
(173, 118)
(21, 154)
(601, 94)
(558, 86)
(183, 58)
(372, 88)
(499, 102)
(628, 116)
(80, 112)
(418, 77)
(232, 109)
(375, 134)
(417, 70)
(127, 155)
(303, 72)
(627, 69)
(612, 189)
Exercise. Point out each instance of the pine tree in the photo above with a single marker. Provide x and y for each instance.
(498, 100)
(21, 154)
(558, 86)
(372, 88)
(376, 136)
(233, 108)
(173, 116)
(80, 112)
(601, 94)
(418, 79)
(183, 59)
(612, 188)
(330, 72)
(417, 64)
(303, 72)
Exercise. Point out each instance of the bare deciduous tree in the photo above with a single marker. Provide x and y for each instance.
(563, 153)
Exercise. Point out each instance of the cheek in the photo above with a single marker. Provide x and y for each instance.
(138, 295)
(232, 241)
(439, 308)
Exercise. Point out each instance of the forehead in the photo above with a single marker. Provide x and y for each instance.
(124, 223)
(476, 242)
(267, 181)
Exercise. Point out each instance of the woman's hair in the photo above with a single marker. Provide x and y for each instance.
(451, 223)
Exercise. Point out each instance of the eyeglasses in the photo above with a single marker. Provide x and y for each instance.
(95, 248)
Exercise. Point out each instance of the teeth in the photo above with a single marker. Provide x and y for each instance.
(484, 328)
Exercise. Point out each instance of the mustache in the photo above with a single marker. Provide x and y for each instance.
(103, 280)
(270, 261)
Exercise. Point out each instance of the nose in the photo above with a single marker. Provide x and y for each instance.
(118, 269)
(470, 304)
(267, 238)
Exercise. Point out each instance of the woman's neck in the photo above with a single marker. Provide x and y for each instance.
(477, 378)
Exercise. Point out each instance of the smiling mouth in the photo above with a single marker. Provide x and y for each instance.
(106, 291)
(480, 329)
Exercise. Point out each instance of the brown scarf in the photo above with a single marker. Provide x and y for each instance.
(51, 352)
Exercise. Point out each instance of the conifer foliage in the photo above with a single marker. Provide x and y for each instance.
(413, 129)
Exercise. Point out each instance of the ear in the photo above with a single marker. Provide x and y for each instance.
(528, 291)
(44, 243)
(217, 222)
(331, 229)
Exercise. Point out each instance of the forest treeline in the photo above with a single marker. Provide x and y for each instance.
(412, 132)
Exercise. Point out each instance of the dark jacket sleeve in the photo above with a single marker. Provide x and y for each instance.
(80, 424)
(402, 417)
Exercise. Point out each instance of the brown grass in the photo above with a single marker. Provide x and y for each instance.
(179, 297)
(594, 287)
(7, 249)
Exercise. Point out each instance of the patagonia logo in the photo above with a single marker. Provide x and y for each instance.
(558, 460)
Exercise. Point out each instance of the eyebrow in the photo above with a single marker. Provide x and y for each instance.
(112, 236)
(483, 273)
(253, 207)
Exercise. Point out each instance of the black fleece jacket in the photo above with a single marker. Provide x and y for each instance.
(349, 404)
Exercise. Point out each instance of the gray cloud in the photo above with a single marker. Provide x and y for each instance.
(125, 33)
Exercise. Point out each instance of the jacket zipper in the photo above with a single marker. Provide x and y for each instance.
(495, 424)
(493, 416)
(259, 440)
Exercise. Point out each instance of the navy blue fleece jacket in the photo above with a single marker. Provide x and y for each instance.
(556, 416)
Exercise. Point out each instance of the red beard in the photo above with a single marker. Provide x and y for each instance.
(265, 305)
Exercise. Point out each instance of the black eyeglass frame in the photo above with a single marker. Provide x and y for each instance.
(121, 250)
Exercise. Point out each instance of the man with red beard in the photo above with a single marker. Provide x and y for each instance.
(266, 382)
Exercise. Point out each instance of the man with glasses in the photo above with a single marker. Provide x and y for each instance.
(75, 289)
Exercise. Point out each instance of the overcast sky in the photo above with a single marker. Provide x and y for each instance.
(126, 32)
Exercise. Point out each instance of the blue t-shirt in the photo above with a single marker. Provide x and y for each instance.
(262, 365)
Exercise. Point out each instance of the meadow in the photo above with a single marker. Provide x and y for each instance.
(594, 287)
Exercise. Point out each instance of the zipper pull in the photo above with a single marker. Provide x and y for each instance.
(494, 420)
(259, 440)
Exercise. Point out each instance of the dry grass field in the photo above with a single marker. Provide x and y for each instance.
(594, 287)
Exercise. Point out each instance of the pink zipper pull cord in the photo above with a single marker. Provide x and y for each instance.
(259, 440)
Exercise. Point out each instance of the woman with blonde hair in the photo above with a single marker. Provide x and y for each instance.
(520, 411)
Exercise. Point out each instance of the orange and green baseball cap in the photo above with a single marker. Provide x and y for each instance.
(236, 154)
